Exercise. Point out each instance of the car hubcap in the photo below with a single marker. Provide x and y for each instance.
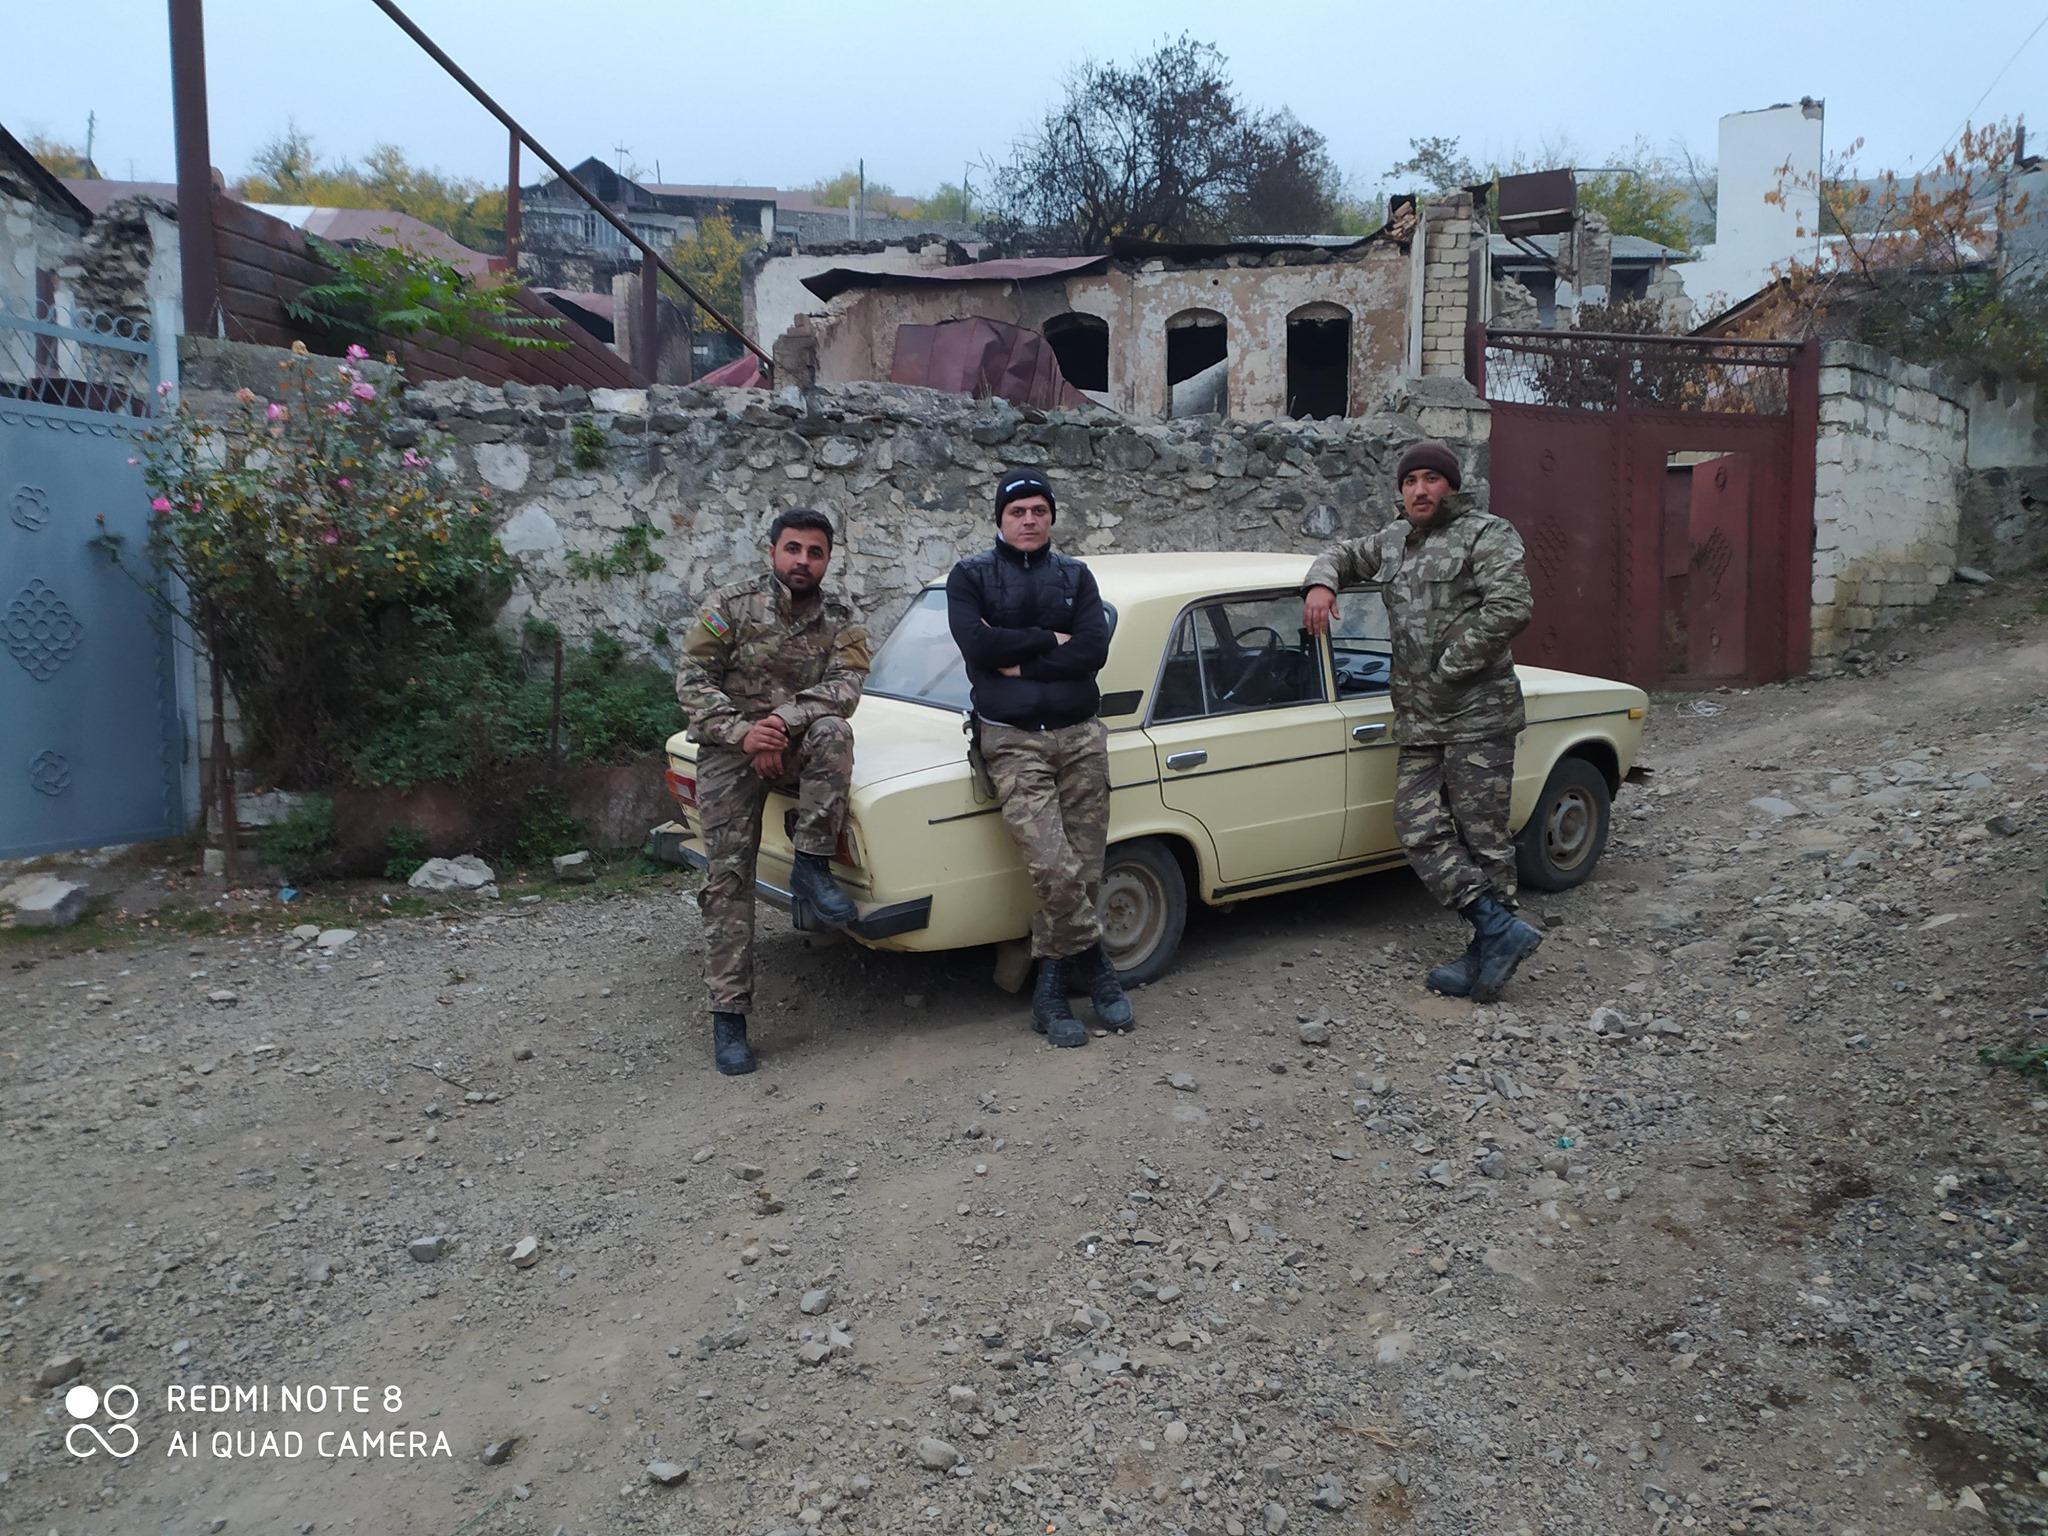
(1133, 915)
(1568, 835)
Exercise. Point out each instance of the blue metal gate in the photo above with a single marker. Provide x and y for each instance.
(92, 749)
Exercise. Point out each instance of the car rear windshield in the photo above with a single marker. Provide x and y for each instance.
(920, 662)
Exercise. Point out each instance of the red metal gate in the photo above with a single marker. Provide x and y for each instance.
(1663, 486)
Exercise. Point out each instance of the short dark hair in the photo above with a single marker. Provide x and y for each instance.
(800, 517)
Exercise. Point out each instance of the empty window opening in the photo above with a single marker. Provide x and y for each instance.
(1318, 361)
(1197, 364)
(1081, 343)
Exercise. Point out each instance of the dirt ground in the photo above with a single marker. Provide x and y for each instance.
(1718, 1222)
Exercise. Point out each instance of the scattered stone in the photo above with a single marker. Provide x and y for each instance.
(334, 938)
(817, 1352)
(576, 868)
(468, 873)
(427, 1250)
(1313, 1032)
(525, 1253)
(2004, 826)
(815, 1302)
(1969, 575)
(1181, 1082)
(222, 997)
(522, 1053)
(499, 1451)
(1776, 807)
(935, 1455)
(1275, 1516)
(666, 1473)
(752, 1438)
(1394, 1348)
(59, 1369)
(1176, 1433)
(44, 901)
(965, 1399)
(1329, 1496)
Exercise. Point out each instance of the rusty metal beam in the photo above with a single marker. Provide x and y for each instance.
(455, 71)
(198, 272)
(650, 318)
(512, 205)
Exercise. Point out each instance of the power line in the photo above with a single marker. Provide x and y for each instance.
(2008, 64)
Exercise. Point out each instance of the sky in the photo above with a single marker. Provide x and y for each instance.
(784, 92)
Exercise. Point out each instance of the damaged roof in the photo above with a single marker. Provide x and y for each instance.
(1021, 269)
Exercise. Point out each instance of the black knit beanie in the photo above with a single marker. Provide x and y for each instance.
(1430, 453)
(1019, 483)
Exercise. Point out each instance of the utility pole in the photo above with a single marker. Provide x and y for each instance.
(860, 223)
(199, 276)
(621, 151)
(966, 195)
(91, 124)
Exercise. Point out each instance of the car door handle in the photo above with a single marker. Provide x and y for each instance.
(1181, 760)
(1371, 732)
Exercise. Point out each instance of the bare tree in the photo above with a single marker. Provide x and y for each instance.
(1163, 149)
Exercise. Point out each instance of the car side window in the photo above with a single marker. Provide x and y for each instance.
(1237, 655)
(1361, 644)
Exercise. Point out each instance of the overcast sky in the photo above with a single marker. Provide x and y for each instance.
(782, 92)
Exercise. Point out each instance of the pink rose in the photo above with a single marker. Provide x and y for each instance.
(364, 391)
(344, 482)
(356, 353)
(276, 412)
(342, 407)
(160, 504)
(413, 460)
(163, 389)
(330, 537)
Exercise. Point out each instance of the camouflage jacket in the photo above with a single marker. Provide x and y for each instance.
(1456, 595)
(755, 650)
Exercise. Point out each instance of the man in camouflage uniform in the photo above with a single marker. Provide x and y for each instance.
(1456, 596)
(770, 672)
(1032, 629)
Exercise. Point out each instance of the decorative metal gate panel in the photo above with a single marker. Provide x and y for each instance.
(91, 746)
(1663, 487)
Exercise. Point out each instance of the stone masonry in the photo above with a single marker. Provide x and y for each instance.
(1447, 285)
(1887, 492)
(905, 473)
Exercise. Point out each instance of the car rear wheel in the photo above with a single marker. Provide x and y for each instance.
(1144, 907)
(1564, 838)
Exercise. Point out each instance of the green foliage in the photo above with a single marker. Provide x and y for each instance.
(478, 704)
(301, 841)
(396, 291)
(632, 552)
(313, 562)
(586, 444)
(837, 191)
(290, 169)
(2029, 1058)
(405, 849)
(952, 203)
(546, 829)
(710, 261)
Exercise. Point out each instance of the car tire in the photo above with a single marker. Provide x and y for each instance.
(1144, 906)
(1567, 832)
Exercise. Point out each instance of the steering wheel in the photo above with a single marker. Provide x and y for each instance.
(1260, 665)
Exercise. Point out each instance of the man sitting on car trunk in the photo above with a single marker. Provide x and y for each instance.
(1456, 596)
(1031, 627)
(769, 673)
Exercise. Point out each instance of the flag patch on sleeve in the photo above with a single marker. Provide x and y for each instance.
(715, 622)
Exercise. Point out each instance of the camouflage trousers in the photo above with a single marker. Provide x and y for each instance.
(1451, 805)
(1054, 788)
(730, 797)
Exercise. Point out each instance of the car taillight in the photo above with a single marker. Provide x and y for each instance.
(842, 854)
(683, 786)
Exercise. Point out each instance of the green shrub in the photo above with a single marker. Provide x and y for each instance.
(405, 849)
(302, 841)
(546, 829)
(633, 551)
(586, 444)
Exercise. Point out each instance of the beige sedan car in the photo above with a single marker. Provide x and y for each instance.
(1246, 758)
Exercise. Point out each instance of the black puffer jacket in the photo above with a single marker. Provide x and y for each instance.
(1004, 607)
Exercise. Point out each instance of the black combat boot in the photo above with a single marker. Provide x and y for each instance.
(734, 1057)
(1050, 1015)
(1093, 970)
(811, 882)
(1505, 941)
(1454, 977)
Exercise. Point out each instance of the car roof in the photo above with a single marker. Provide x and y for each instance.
(1179, 577)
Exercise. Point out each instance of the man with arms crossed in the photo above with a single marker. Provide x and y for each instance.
(1030, 624)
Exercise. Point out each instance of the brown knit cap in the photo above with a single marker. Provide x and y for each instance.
(1430, 453)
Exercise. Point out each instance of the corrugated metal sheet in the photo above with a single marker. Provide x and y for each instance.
(984, 358)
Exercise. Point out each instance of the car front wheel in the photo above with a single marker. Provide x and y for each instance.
(1144, 905)
(1564, 838)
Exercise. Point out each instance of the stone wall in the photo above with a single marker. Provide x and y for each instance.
(1887, 492)
(906, 474)
(2005, 498)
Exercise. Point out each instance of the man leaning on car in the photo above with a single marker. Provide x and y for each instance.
(769, 673)
(1456, 595)
(1032, 629)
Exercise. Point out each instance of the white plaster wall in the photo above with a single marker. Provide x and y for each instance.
(1887, 492)
(777, 294)
(1753, 236)
(2008, 425)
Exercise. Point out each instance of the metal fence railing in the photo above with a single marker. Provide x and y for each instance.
(1608, 371)
(58, 359)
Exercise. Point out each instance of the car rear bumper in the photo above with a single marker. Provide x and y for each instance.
(670, 844)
